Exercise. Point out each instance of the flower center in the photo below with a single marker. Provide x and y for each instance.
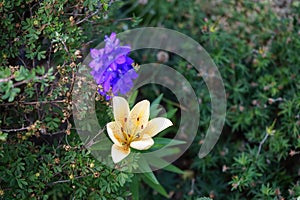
(129, 136)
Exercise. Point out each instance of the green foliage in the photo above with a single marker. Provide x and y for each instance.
(42, 45)
(256, 47)
(41, 48)
(56, 171)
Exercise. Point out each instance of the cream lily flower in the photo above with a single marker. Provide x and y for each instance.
(132, 128)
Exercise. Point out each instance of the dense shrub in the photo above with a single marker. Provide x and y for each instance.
(30, 171)
(42, 45)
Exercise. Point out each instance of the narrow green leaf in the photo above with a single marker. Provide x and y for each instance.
(171, 113)
(156, 187)
(102, 145)
(157, 100)
(132, 98)
(169, 151)
(173, 168)
(154, 110)
(157, 162)
(145, 167)
(160, 142)
(134, 187)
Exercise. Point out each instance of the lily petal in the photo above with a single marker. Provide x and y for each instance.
(156, 125)
(120, 109)
(142, 144)
(138, 116)
(119, 153)
(115, 133)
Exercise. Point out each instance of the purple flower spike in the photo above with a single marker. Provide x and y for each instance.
(112, 68)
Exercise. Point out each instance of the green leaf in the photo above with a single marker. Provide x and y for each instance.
(145, 167)
(105, 6)
(13, 93)
(173, 168)
(40, 70)
(161, 142)
(156, 186)
(154, 110)
(21, 183)
(102, 145)
(41, 55)
(56, 120)
(169, 151)
(158, 99)
(132, 98)
(3, 136)
(134, 187)
(171, 113)
(21, 74)
(5, 73)
(157, 162)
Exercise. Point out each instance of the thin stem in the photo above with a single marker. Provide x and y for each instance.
(22, 61)
(7, 79)
(86, 18)
(92, 141)
(261, 143)
(49, 57)
(292, 152)
(66, 181)
(26, 81)
(65, 46)
(112, 21)
(32, 103)
(15, 130)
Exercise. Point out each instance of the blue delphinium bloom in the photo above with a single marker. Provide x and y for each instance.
(112, 68)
